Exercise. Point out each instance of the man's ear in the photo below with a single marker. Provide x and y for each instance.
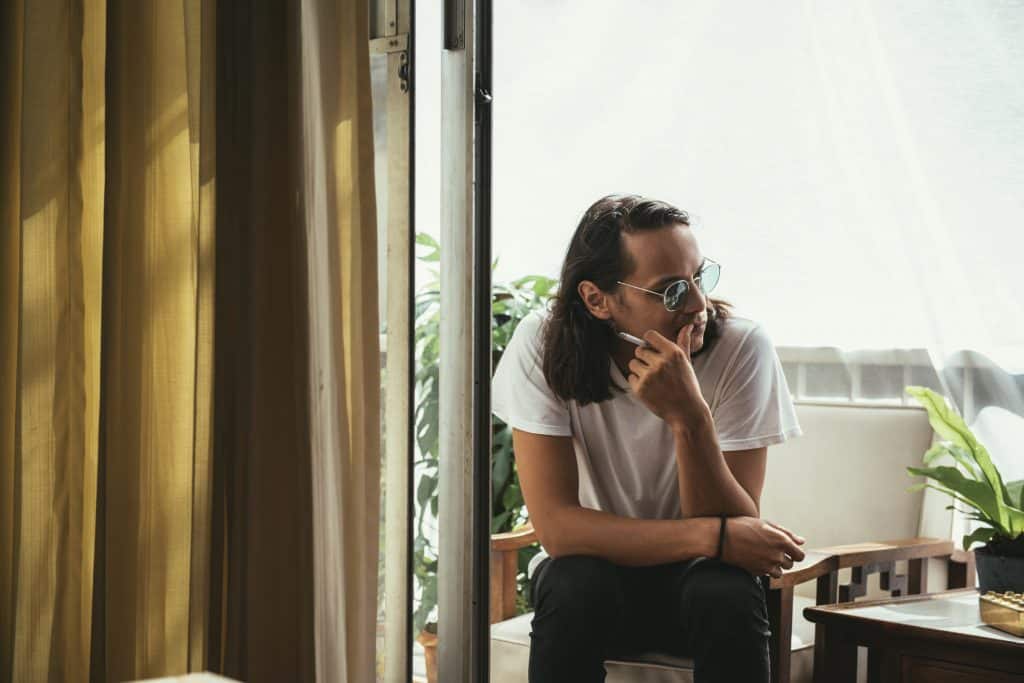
(594, 299)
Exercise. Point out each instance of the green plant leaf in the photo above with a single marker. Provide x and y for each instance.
(426, 240)
(499, 520)
(949, 425)
(513, 497)
(1015, 489)
(979, 535)
(426, 488)
(428, 600)
(500, 472)
(543, 286)
(956, 454)
(955, 496)
(943, 420)
(977, 494)
(1016, 516)
(969, 514)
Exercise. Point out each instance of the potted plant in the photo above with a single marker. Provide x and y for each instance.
(511, 302)
(974, 481)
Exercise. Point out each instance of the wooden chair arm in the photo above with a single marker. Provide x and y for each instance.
(822, 561)
(860, 554)
(504, 567)
(962, 556)
(515, 539)
(814, 564)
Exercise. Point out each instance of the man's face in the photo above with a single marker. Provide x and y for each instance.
(659, 258)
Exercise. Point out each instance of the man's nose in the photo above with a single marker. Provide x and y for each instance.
(696, 300)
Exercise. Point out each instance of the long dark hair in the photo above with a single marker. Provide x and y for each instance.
(576, 346)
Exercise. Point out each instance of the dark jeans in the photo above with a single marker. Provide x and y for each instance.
(588, 610)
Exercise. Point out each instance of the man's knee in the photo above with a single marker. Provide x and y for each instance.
(581, 586)
(725, 599)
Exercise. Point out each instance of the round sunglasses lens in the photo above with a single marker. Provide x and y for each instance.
(709, 277)
(675, 295)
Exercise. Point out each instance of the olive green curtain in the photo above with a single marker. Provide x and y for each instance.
(52, 180)
(189, 441)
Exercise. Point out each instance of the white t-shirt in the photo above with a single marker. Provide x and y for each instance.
(625, 454)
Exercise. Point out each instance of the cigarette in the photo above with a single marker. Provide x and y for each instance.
(634, 340)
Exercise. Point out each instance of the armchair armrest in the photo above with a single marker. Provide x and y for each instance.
(515, 539)
(823, 561)
(815, 563)
(859, 554)
(504, 567)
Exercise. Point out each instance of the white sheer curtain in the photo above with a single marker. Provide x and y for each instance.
(340, 229)
(857, 166)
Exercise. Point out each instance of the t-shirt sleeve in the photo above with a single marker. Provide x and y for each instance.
(520, 395)
(756, 408)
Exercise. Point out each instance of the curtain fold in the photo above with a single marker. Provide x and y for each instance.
(339, 214)
(263, 463)
(189, 369)
(53, 183)
(154, 357)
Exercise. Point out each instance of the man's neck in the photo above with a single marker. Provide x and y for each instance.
(621, 357)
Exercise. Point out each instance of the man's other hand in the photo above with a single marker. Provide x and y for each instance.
(760, 546)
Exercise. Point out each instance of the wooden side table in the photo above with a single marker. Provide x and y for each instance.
(936, 638)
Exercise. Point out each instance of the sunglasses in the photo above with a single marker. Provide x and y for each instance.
(674, 295)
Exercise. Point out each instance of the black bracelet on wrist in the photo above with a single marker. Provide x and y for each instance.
(721, 538)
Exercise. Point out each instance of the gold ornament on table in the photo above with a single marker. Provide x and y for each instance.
(1004, 611)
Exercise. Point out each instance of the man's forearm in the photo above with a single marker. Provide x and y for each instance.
(707, 486)
(629, 542)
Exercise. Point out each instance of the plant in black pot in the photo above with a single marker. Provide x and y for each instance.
(972, 480)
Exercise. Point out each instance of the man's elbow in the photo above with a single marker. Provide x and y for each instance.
(551, 543)
(553, 535)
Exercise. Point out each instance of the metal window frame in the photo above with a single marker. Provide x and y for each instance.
(392, 34)
(482, 97)
(465, 377)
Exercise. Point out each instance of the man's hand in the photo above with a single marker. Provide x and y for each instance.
(662, 377)
(760, 547)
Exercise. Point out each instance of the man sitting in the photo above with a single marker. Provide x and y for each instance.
(642, 411)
